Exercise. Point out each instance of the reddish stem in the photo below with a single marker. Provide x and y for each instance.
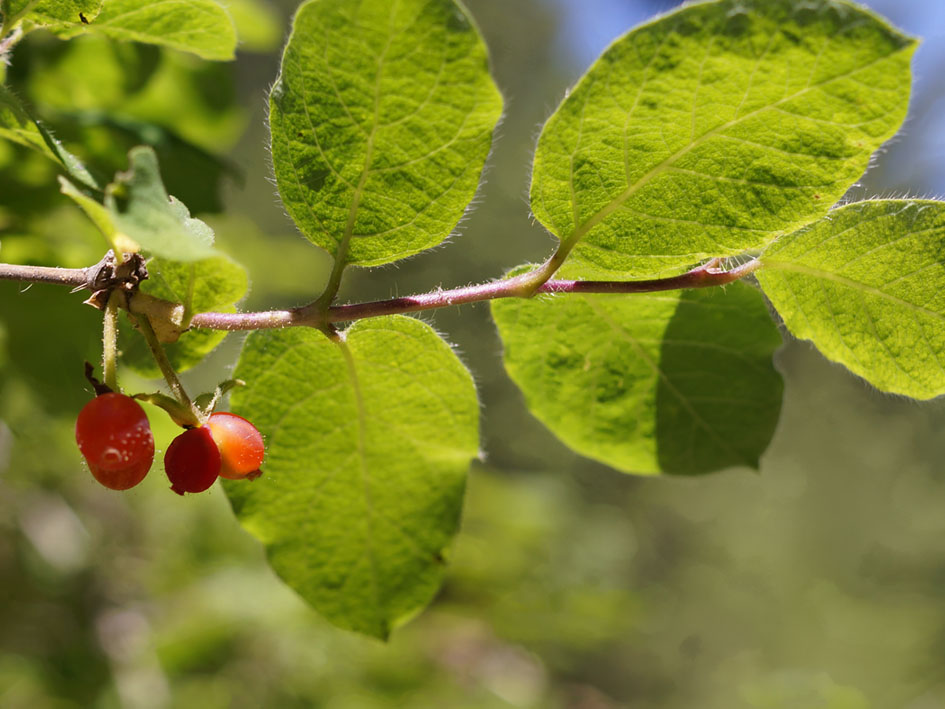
(705, 276)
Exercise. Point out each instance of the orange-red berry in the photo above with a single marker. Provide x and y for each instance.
(240, 443)
(192, 461)
(114, 436)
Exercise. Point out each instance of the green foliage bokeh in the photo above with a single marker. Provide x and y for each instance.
(814, 584)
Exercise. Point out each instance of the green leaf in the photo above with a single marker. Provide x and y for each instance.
(94, 209)
(49, 13)
(141, 209)
(201, 27)
(89, 73)
(200, 286)
(258, 25)
(867, 286)
(715, 128)
(678, 383)
(381, 121)
(211, 284)
(126, 82)
(17, 125)
(368, 444)
(190, 173)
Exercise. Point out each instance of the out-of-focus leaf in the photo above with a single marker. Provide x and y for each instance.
(190, 173)
(54, 14)
(867, 286)
(195, 99)
(87, 73)
(201, 27)
(381, 120)
(29, 186)
(715, 128)
(17, 125)
(258, 26)
(678, 383)
(367, 447)
(93, 209)
(130, 83)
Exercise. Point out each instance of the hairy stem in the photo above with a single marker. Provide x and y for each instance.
(170, 376)
(8, 40)
(78, 277)
(314, 315)
(705, 276)
(110, 341)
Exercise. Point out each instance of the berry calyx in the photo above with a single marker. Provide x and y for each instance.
(114, 437)
(241, 446)
(192, 461)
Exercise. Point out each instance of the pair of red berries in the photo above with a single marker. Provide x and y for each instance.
(115, 438)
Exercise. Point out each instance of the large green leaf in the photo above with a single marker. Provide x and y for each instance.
(202, 27)
(368, 445)
(49, 13)
(867, 286)
(678, 383)
(211, 284)
(18, 125)
(713, 129)
(381, 121)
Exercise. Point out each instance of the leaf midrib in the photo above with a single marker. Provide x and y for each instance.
(621, 331)
(849, 283)
(365, 477)
(341, 255)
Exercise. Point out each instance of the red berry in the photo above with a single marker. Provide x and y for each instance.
(115, 438)
(192, 461)
(240, 443)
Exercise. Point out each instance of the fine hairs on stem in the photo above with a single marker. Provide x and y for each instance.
(707, 275)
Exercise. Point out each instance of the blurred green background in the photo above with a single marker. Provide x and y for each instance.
(817, 584)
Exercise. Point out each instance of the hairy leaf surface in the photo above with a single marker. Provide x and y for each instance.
(713, 129)
(867, 286)
(367, 448)
(678, 383)
(201, 27)
(381, 121)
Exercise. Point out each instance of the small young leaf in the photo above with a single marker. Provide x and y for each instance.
(867, 286)
(53, 14)
(678, 383)
(141, 209)
(713, 129)
(201, 27)
(211, 284)
(381, 121)
(367, 448)
(17, 125)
